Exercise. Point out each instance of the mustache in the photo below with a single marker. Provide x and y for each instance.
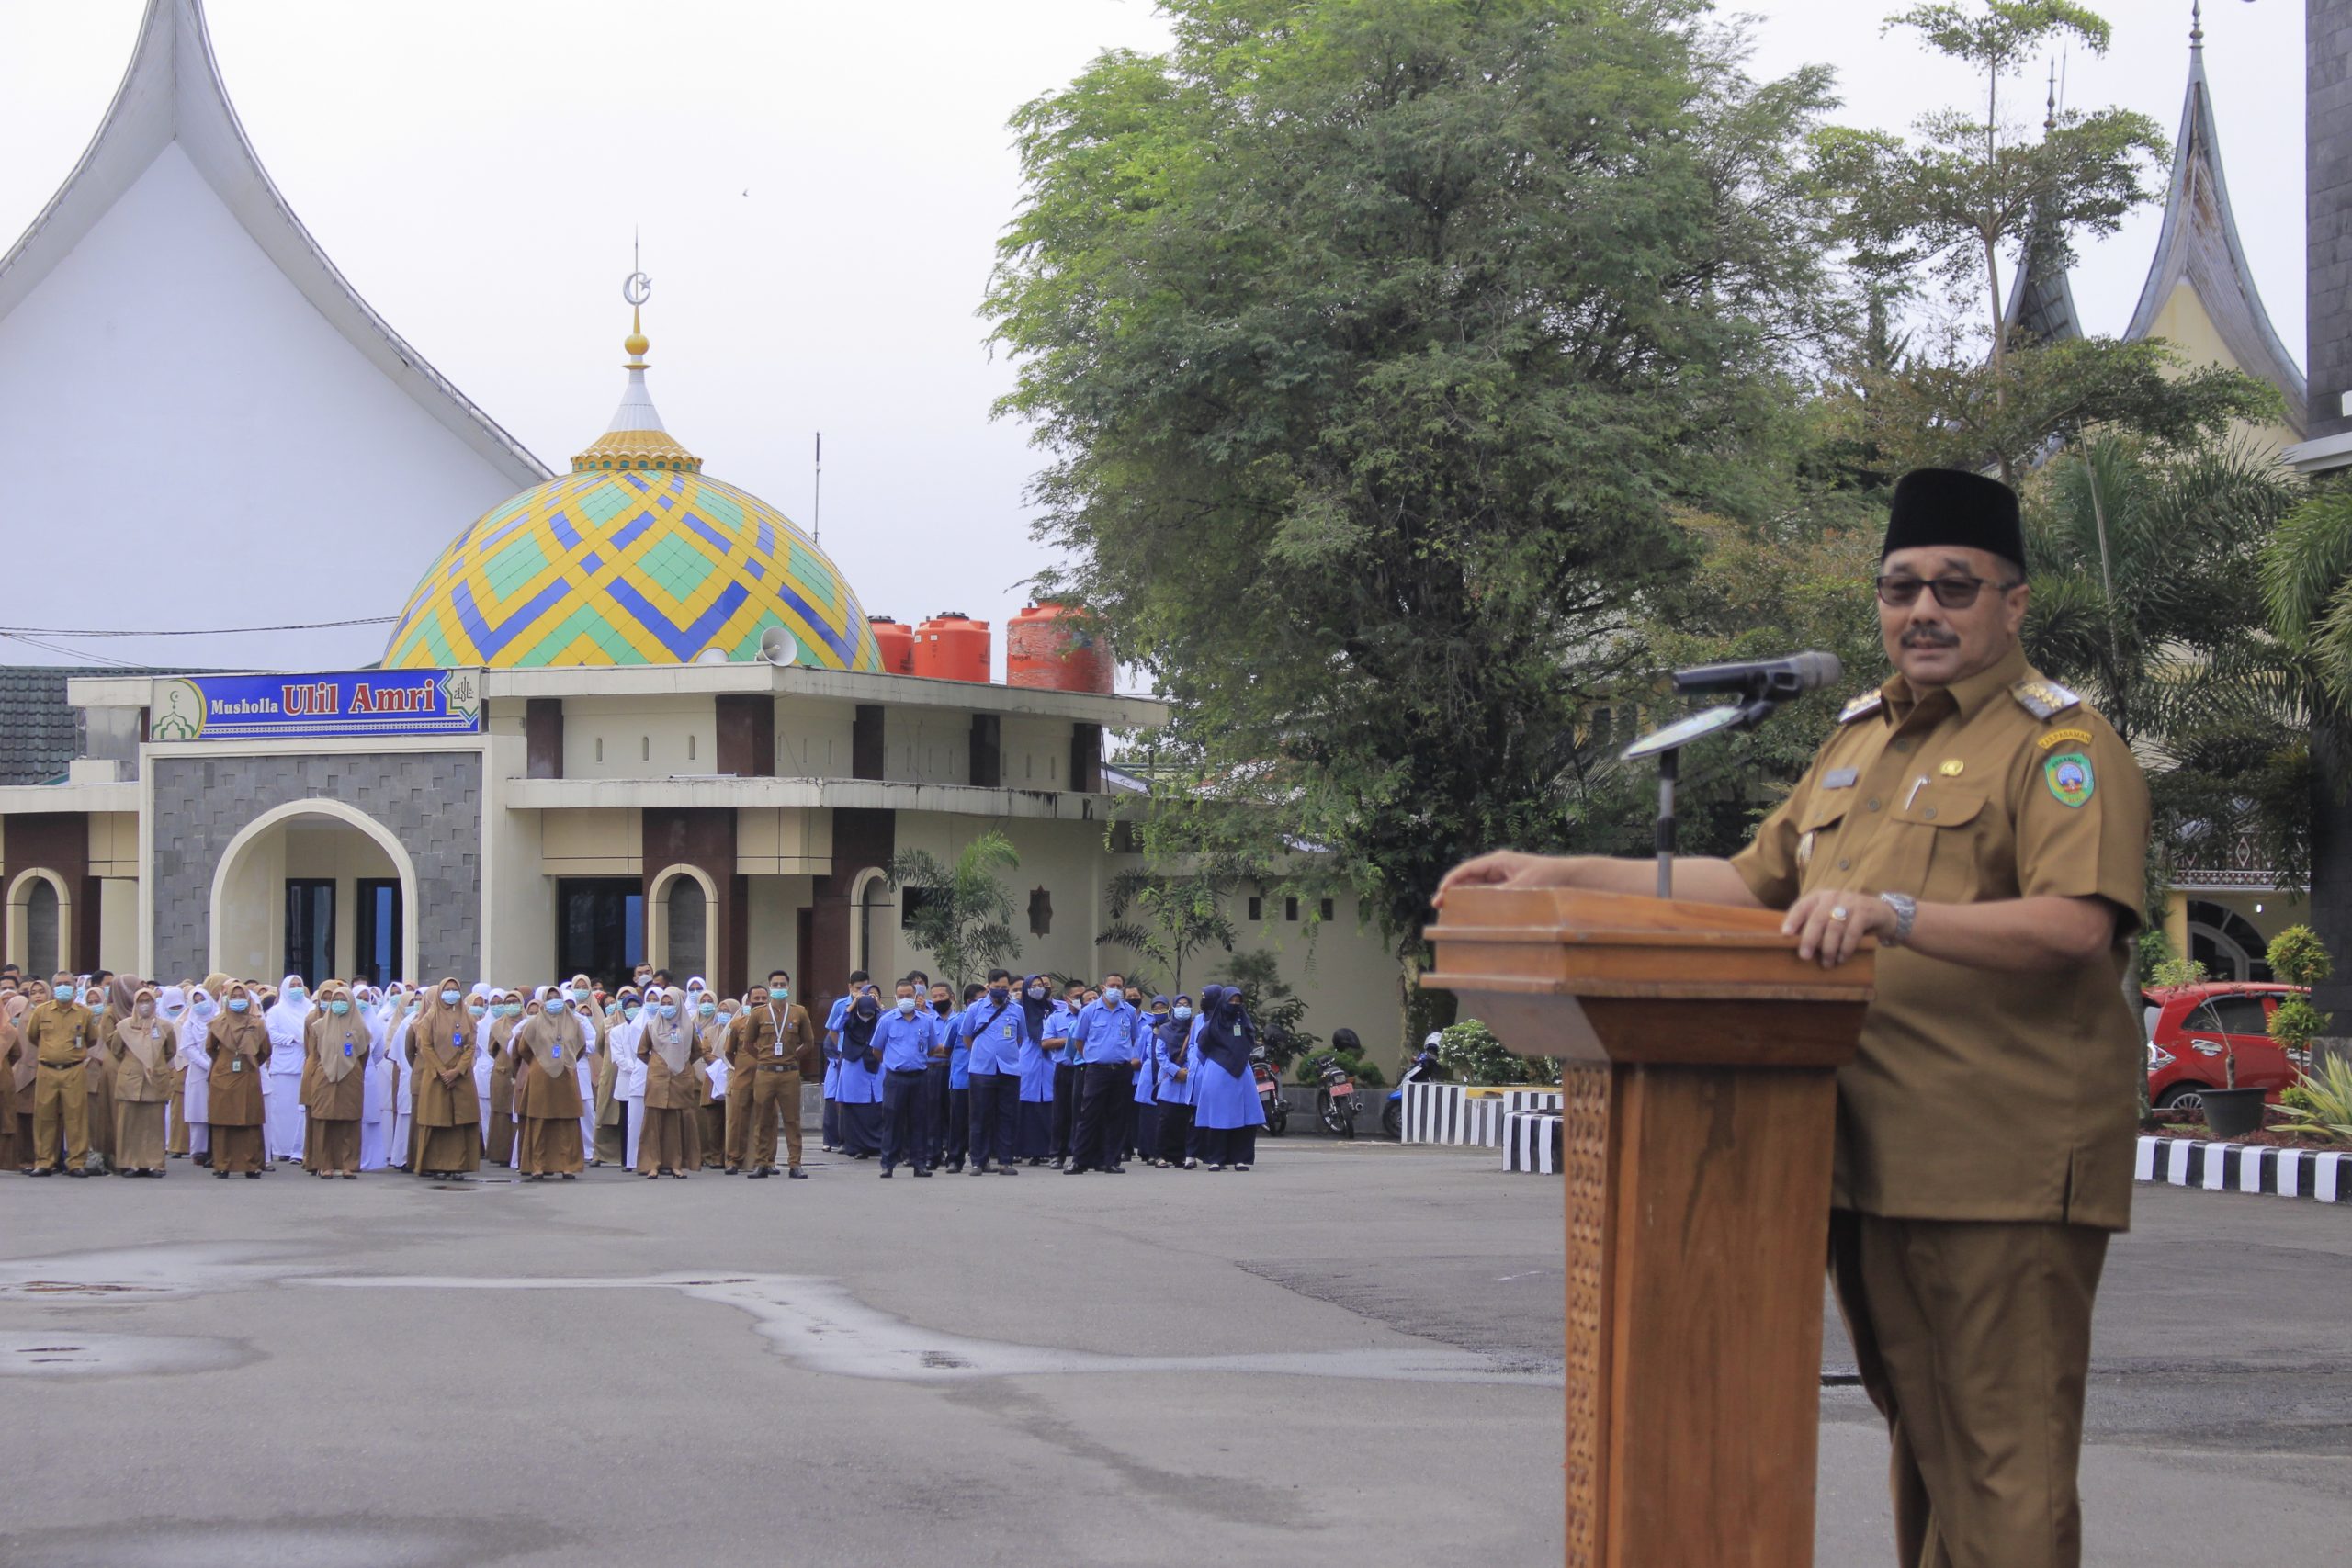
(1929, 636)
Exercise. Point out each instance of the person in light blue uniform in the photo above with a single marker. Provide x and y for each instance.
(1141, 1135)
(1068, 1079)
(832, 1047)
(939, 1001)
(1108, 1039)
(996, 1033)
(859, 1086)
(956, 1124)
(1174, 1065)
(906, 1037)
(1225, 1106)
(1040, 1054)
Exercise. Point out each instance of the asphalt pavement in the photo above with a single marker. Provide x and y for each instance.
(1349, 1355)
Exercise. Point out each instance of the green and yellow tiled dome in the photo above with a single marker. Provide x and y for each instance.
(633, 557)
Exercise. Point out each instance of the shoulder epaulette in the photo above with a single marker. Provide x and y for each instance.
(2043, 699)
(1861, 707)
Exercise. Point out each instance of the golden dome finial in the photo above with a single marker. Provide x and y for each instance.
(636, 342)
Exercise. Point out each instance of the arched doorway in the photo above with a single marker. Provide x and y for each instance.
(871, 945)
(39, 906)
(682, 908)
(2226, 943)
(315, 888)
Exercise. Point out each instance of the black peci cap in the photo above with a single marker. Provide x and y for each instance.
(1951, 506)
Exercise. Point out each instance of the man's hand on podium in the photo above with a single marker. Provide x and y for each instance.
(1831, 925)
(1513, 868)
(1697, 880)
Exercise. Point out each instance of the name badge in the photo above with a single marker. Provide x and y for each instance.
(347, 1048)
(555, 1053)
(236, 1064)
(779, 1047)
(1840, 778)
(458, 1039)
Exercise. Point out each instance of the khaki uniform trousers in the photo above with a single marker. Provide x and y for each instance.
(774, 1092)
(61, 1104)
(739, 1095)
(1974, 1341)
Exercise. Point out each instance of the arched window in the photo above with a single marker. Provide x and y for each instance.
(2226, 943)
(42, 957)
(688, 947)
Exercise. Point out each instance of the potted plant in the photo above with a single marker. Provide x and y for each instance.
(2298, 958)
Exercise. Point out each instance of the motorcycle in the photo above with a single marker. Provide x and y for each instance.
(1336, 1101)
(1270, 1092)
(1392, 1114)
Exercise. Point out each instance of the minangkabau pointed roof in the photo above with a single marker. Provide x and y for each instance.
(2042, 302)
(173, 92)
(2199, 242)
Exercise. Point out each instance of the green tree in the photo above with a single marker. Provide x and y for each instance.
(1168, 918)
(962, 914)
(1374, 343)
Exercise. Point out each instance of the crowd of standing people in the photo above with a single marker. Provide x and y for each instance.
(107, 1073)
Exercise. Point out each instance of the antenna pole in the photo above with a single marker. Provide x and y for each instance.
(816, 496)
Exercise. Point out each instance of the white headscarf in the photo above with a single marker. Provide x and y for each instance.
(284, 1018)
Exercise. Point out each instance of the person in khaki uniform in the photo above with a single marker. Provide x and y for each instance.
(772, 1048)
(142, 1052)
(1991, 832)
(237, 1043)
(448, 1111)
(669, 1045)
(13, 1054)
(548, 1049)
(341, 1041)
(62, 1034)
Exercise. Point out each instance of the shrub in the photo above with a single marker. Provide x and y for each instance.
(1470, 1054)
(2170, 972)
(2322, 1104)
(2298, 957)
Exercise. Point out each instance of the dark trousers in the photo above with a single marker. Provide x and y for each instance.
(1066, 1076)
(958, 1126)
(1230, 1145)
(995, 1115)
(906, 1119)
(1099, 1098)
(833, 1122)
(934, 1093)
(1123, 1124)
(1175, 1132)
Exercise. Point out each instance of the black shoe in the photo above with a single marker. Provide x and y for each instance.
(886, 1173)
(758, 1174)
(1114, 1170)
(923, 1170)
(253, 1176)
(955, 1167)
(42, 1170)
(571, 1175)
(798, 1174)
(1061, 1162)
(1074, 1170)
(1007, 1171)
(77, 1173)
(221, 1174)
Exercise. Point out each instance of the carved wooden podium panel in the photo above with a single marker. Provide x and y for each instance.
(1698, 1109)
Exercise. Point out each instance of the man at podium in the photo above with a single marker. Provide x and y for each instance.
(1991, 832)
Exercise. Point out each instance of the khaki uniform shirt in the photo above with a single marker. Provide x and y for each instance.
(772, 1036)
(60, 1033)
(1977, 1095)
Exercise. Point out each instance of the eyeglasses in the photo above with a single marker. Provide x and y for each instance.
(1957, 591)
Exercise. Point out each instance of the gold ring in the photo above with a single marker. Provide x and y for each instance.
(1837, 912)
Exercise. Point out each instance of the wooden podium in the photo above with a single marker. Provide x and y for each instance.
(1698, 1098)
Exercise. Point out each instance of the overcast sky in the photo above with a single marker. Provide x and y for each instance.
(820, 187)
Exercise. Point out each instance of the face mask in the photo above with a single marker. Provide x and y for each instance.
(555, 1004)
(579, 993)
(238, 1004)
(206, 1009)
(669, 1009)
(780, 992)
(477, 1009)
(1000, 995)
(449, 998)
(1111, 995)
(1183, 1014)
(146, 1009)
(95, 1001)
(294, 995)
(338, 1006)
(174, 1011)
(708, 1008)
(906, 1005)
(643, 975)
(63, 993)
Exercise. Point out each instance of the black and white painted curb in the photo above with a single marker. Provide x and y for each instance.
(2246, 1167)
(1531, 1142)
(1462, 1115)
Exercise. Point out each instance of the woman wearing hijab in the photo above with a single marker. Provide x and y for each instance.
(548, 1049)
(718, 1071)
(143, 1049)
(1034, 1129)
(498, 1139)
(667, 1048)
(609, 1133)
(195, 1095)
(377, 1117)
(282, 1085)
(621, 1041)
(97, 1068)
(1173, 1062)
(1142, 1126)
(238, 1044)
(860, 1089)
(171, 1005)
(478, 1008)
(344, 1047)
(441, 1046)
(1226, 1106)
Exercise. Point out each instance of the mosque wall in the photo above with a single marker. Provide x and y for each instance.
(429, 801)
(166, 384)
(654, 735)
(812, 737)
(2184, 323)
(1036, 752)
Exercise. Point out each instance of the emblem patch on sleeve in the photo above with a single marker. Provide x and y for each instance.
(2069, 774)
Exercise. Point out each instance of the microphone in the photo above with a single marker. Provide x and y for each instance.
(1776, 680)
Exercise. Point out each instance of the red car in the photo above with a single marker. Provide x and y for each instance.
(2194, 1029)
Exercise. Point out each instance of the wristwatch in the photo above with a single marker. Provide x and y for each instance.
(1906, 909)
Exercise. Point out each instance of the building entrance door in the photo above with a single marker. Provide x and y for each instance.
(600, 928)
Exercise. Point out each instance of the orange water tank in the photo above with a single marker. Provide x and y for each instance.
(1048, 646)
(951, 646)
(897, 644)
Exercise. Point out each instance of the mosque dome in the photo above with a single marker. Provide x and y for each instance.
(634, 556)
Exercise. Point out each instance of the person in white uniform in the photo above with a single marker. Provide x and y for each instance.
(628, 1086)
(376, 1116)
(281, 1083)
(479, 1008)
(195, 1098)
(403, 1013)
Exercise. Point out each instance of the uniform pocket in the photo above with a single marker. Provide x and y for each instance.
(1932, 843)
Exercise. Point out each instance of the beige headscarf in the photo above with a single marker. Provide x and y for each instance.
(548, 1033)
(144, 1038)
(671, 1038)
(438, 1023)
(336, 1033)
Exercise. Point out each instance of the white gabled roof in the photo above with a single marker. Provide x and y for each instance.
(2199, 242)
(173, 92)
